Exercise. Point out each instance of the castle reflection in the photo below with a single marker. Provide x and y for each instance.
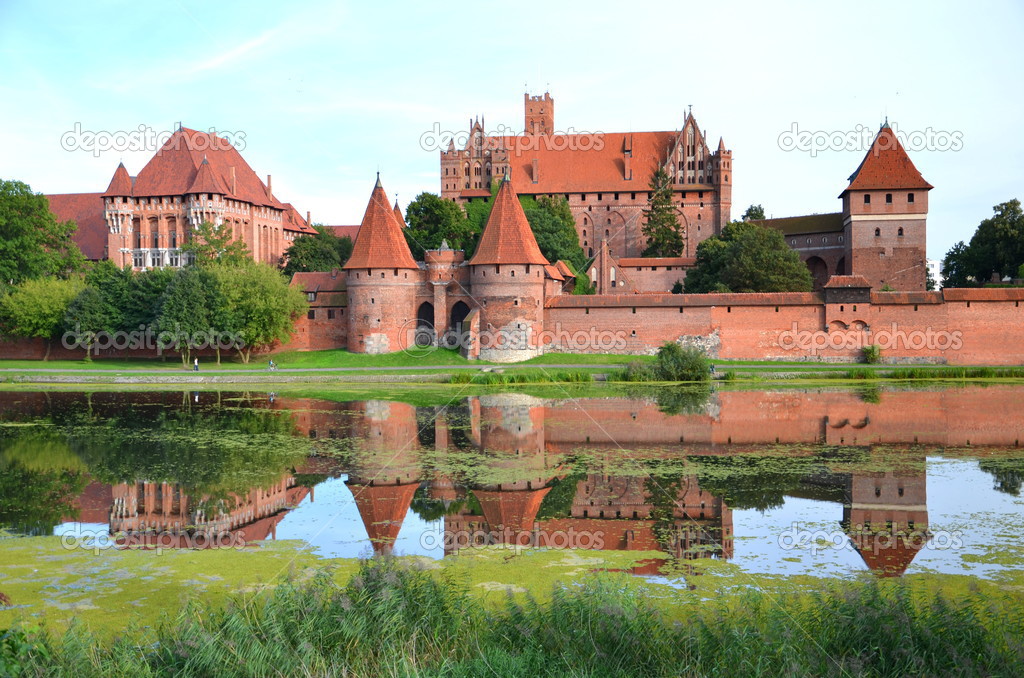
(516, 470)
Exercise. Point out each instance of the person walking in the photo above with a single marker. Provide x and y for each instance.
(195, 365)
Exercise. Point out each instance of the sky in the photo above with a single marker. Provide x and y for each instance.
(323, 95)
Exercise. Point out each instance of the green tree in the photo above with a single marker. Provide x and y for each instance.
(33, 244)
(679, 363)
(261, 306)
(747, 258)
(996, 248)
(190, 309)
(322, 251)
(665, 237)
(88, 315)
(433, 220)
(142, 302)
(753, 212)
(36, 308)
(208, 243)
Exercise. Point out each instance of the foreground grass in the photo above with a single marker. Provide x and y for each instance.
(396, 620)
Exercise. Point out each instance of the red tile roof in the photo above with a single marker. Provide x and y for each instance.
(553, 273)
(120, 183)
(847, 281)
(174, 167)
(564, 269)
(515, 510)
(380, 243)
(86, 210)
(575, 163)
(398, 215)
(810, 223)
(675, 300)
(507, 237)
(207, 182)
(325, 281)
(886, 165)
(983, 293)
(293, 221)
(342, 231)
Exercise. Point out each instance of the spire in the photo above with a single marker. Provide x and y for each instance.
(120, 183)
(398, 214)
(721, 144)
(886, 166)
(382, 509)
(206, 181)
(380, 243)
(507, 237)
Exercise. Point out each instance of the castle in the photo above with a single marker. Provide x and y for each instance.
(194, 177)
(605, 177)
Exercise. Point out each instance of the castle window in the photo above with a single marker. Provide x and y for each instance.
(888, 198)
(609, 220)
(900, 232)
(808, 241)
(616, 196)
(698, 216)
(527, 269)
(513, 272)
(910, 197)
(330, 314)
(310, 296)
(840, 238)
(632, 196)
(599, 196)
(878, 232)
(607, 232)
(583, 197)
(584, 233)
(867, 199)
(311, 315)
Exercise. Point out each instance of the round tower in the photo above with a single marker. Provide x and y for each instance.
(381, 278)
(507, 278)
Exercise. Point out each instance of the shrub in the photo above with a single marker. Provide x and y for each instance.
(872, 354)
(678, 363)
(637, 371)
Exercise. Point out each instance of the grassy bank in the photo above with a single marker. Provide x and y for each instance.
(391, 620)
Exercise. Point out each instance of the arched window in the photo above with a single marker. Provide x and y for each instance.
(878, 232)
(900, 232)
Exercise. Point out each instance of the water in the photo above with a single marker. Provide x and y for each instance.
(827, 483)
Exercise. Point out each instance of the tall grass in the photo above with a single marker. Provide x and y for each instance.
(391, 620)
(522, 377)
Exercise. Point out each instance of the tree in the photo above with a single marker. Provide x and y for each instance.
(747, 258)
(433, 220)
(33, 244)
(87, 316)
(208, 243)
(679, 363)
(322, 251)
(554, 228)
(262, 306)
(753, 212)
(189, 310)
(665, 237)
(996, 248)
(142, 303)
(36, 308)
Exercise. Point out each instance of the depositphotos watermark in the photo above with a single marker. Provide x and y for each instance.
(819, 541)
(511, 141)
(453, 540)
(887, 339)
(145, 138)
(147, 338)
(97, 540)
(862, 137)
(422, 339)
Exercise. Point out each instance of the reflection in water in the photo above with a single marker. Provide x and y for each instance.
(624, 474)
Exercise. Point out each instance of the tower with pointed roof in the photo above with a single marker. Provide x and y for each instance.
(507, 274)
(885, 207)
(382, 280)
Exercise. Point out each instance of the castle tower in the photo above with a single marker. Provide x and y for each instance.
(507, 276)
(539, 114)
(721, 177)
(884, 212)
(382, 279)
(117, 213)
(886, 517)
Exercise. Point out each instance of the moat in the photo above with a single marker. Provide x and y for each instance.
(680, 488)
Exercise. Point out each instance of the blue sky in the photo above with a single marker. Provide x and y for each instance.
(326, 94)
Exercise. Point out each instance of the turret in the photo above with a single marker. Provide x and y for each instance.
(507, 277)
(539, 114)
(885, 208)
(721, 177)
(381, 277)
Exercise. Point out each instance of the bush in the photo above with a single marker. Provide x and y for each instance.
(872, 354)
(678, 363)
(637, 371)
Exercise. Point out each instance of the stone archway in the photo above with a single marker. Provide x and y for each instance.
(455, 321)
(819, 271)
(425, 335)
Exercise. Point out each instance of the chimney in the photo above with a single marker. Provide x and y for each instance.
(308, 221)
(234, 191)
(270, 188)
